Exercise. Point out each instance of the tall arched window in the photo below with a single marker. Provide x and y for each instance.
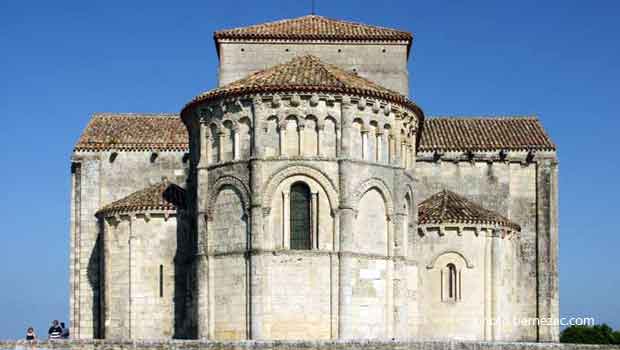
(300, 216)
(452, 282)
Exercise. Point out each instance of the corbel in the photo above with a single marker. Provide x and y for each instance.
(422, 231)
(437, 156)
(477, 230)
(376, 107)
(314, 100)
(503, 155)
(441, 231)
(361, 104)
(531, 154)
(295, 100)
(276, 101)
(387, 109)
(331, 100)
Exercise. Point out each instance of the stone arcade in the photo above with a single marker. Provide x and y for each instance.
(307, 197)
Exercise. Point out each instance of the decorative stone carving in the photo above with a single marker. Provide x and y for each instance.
(314, 100)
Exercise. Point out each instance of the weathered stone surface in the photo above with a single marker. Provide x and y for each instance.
(222, 267)
(294, 345)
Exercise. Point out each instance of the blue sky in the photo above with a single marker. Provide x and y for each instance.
(61, 61)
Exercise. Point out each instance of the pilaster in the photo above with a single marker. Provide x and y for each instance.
(547, 247)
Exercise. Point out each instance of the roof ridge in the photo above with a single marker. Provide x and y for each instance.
(310, 27)
(484, 117)
(355, 23)
(133, 114)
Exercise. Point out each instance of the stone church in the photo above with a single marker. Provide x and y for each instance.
(308, 197)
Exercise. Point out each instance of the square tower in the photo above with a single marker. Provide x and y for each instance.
(375, 53)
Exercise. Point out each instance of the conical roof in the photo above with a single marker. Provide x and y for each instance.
(447, 207)
(313, 27)
(149, 198)
(305, 74)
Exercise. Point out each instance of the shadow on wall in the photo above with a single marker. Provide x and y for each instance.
(183, 298)
(95, 273)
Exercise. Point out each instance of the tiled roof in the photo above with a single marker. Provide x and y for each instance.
(305, 74)
(141, 132)
(150, 198)
(484, 134)
(138, 132)
(447, 207)
(313, 27)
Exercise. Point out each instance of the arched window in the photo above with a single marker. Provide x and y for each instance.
(452, 282)
(300, 216)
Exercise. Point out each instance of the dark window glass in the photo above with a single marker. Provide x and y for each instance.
(451, 281)
(300, 216)
(161, 281)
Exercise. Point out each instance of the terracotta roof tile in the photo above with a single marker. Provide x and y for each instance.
(107, 131)
(484, 134)
(313, 27)
(305, 74)
(447, 207)
(150, 198)
(167, 132)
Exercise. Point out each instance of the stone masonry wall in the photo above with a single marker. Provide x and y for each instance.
(296, 345)
(385, 64)
(512, 188)
(99, 178)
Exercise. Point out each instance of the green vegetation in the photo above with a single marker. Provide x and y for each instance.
(597, 334)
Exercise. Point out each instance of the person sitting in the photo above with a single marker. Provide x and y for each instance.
(55, 332)
(30, 334)
(65, 331)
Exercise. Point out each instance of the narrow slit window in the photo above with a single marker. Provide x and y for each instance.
(452, 282)
(161, 281)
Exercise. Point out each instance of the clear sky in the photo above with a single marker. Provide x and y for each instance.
(60, 61)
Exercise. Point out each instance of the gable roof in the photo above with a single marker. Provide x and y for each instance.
(305, 74)
(484, 134)
(313, 27)
(128, 132)
(153, 197)
(447, 207)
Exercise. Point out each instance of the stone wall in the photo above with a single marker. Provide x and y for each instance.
(141, 276)
(296, 345)
(525, 191)
(385, 64)
(351, 153)
(99, 178)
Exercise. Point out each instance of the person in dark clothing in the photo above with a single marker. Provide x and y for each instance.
(30, 334)
(65, 331)
(55, 332)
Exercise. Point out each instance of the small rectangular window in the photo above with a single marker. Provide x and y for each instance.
(161, 281)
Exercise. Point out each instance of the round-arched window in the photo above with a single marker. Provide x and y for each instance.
(300, 216)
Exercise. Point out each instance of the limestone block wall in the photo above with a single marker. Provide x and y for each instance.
(484, 282)
(297, 345)
(352, 281)
(99, 178)
(513, 188)
(383, 63)
(139, 276)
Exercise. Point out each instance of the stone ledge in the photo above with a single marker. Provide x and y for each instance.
(293, 344)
